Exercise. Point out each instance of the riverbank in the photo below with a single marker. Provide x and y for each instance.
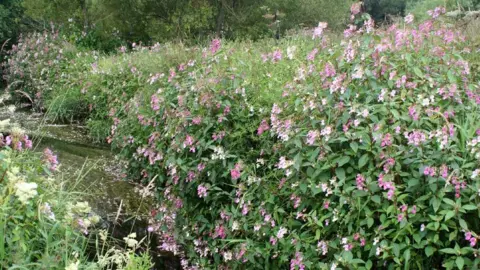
(89, 174)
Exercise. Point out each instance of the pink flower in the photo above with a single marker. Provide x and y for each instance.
(273, 240)
(400, 217)
(297, 262)
(215, 45)
(263, 127)
(386, 140)
(363, 242)
(50, 159)
(197, 120)
(356, 8)
(277, 56)
(429, 171)
(235, 172)
(360, 182)
(312, 136)
(202, 191)
(154, 103)
(318, 31)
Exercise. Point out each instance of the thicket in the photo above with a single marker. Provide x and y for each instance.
(309, 153)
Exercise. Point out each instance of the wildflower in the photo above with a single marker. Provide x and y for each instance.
(50, 159)
(356, 8)
(130, 240)
(312, 135)
(227, 256)
(291, 52)
(263, 127)
(360, 182)
(47, 210)
(386, 140)
(215, 46)
(318, 31)
(73, 266)
(202, 191)
(363, 242)
(277, 56)
(25, 191)
(297, 262)
(273, 240)
(475, 173)
(429, 171)
(235, 172)
(154, 103)
(281, 232)
(422, 227)
(409, 18)
(323, 246)
(235, 226)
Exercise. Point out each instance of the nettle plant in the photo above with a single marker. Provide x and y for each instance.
(366, 159)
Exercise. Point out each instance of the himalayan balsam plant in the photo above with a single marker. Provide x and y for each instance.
(311, 154)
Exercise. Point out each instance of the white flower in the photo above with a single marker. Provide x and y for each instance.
(334, 266)
(291, 52)
(365, 113)
(130, 240)
(379, 250)
(235, 226)
(25, 191)
(281, 232)
(375, 241)
(227, 256)
(422, 227)
(73, 266)
(409, 18)
(475, 173)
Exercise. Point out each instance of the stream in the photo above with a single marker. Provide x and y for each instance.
(122, 209)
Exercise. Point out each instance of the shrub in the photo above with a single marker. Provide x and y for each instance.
(360, 154)
(308, 153)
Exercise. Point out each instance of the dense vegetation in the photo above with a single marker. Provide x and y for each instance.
(312, 152)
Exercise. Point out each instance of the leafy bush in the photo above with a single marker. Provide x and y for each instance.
(308, 154)
(360, 154)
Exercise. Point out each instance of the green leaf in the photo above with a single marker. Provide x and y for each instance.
(354, 146)
(449, 201)
(406, 255)
(376, 199)
(463, 224)
(449, 215)
(362, 161)
(418, 72)
(469, 207)
(368, 265)
(435, 203)
(343, 160)
(340, 173)
(370, 222)
(460, 262)
(347, 256)
(448, 251)
(429, 251)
